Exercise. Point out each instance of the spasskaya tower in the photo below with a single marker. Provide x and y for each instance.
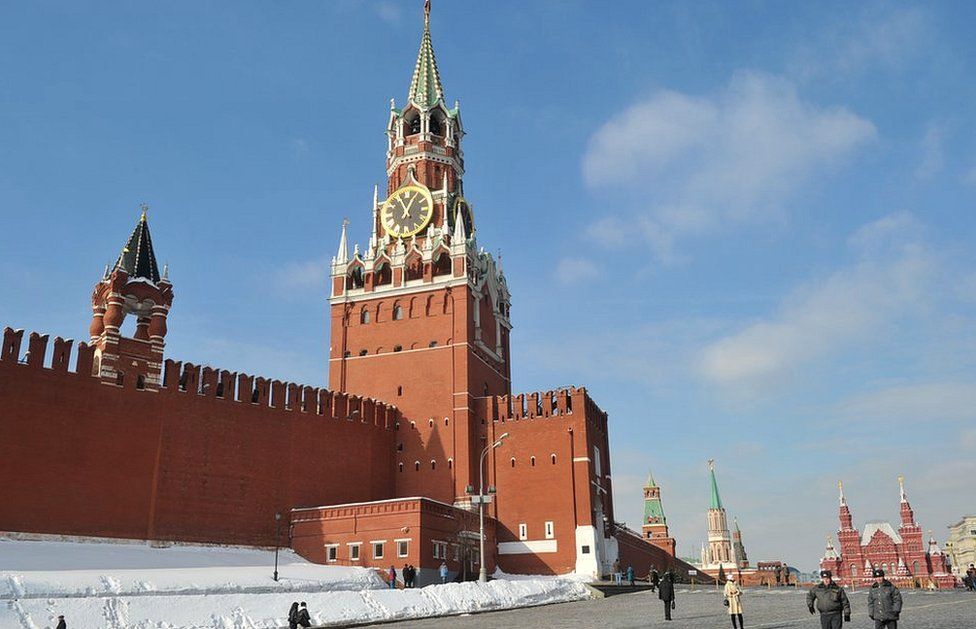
(420, 314)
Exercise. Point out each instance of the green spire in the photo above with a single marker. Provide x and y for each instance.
(650, 480)
(425, 86)
(716, 500)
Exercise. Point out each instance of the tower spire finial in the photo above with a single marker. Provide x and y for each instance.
(901, 488)
(426, 14)
(145, 208)
(425, 86)
(840, 488)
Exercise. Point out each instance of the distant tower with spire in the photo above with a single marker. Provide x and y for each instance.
(718, 553)
(654, 527)
(132, 286)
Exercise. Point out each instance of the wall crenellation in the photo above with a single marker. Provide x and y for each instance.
(181, 378)
(541, 404)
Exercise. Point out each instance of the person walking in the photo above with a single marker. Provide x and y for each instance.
(617, 576)
(884, 602)
(630, 575)
(665, 592)
(293, 616)
(654, 578)
(831, 601)
(733, 600)
(970, 579)
(406, 575)
(391, 573)
(443, 572)
(303, 618)
(61, 623)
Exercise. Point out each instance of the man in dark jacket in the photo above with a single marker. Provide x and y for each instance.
(303, 618)
(971, 578)
(884, 602)
(61, 623)
(654, 578)
(831, 601)
(666, 593)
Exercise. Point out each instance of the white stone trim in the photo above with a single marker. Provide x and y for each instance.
(528, 547)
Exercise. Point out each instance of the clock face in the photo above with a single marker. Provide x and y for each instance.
(407, 211)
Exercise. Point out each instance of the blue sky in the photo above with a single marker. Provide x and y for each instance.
(746, 227)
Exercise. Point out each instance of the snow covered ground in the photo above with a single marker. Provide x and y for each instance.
(116, 585)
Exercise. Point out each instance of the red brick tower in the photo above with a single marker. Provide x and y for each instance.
(913, 553)
(132, 287)
(654, 528)
(420, 317)
(849, 540)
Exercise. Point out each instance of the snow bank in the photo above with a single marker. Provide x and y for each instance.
(133, 586)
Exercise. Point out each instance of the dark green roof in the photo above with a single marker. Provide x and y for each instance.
(425, 86)
(716, 499)
(137, 258)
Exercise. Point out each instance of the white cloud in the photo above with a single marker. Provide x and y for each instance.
(571, 271)
(708, 162)
(915, 402)
(307, 275)
(846, 308)
(879, 37)
(932, 152)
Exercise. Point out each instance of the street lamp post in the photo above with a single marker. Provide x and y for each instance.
(277, 534)
(483, 572)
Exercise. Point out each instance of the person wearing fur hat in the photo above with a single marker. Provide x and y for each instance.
(830, 600)
(884, 602)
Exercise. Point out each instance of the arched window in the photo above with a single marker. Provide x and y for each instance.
(355, 278)
(513, 461)
(446, 421)
(415, 271)
(433, 464)
(120, 378)
(853, 570)
(552, 458)
(450, 464)
(532, 461)
(364, 316)
(430, 422)
(382, 275)
(140, 381)
(398, 348)
(363, 352)
(432, 344)
(399, 393)
(412, 124)
(397, 312)
(416, 466)
(442, 266)
(436, 125)
(401, 467)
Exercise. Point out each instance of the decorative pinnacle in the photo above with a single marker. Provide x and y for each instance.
(901, 487)
(427, 13)
(840, 487)
(145, 208)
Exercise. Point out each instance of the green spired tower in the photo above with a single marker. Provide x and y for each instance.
(654, 526)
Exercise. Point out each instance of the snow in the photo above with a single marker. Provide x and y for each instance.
(118, 585)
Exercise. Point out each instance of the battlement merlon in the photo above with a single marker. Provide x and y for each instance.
(206, 382)
(544, 404)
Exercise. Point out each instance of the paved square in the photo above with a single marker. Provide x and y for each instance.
(703, 609)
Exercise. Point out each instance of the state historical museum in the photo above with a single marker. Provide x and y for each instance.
(132, 445)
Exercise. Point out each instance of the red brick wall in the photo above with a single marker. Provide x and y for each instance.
(83, 458)
(634, 551)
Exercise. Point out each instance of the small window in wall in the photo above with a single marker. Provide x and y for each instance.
(332, 552)
(432, 344)
(403, 548)
(364, 316)
(354, 552)
(377, 550)
(399, 391)
(363, 352)
(440, 550)
(552, 457)
(550, 531)
(585, 550)
(532, 460)
(433, 464)
(523, 532)
(140, 381)
(416, 466)
(513, 461)
(430, 422)
(347, 354)
(401, 467)
(397, 312)
(450, 464)
(398, 348)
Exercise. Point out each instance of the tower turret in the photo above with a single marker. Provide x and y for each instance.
(719, 540)
(135, 287)
(655, 525)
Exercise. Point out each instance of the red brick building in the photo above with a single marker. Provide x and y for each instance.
(127, 444)
(902, 554)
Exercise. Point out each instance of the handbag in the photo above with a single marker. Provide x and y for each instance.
(726, 602)
(672, 605)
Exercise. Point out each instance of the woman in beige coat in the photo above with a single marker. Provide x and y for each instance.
(733, 596)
